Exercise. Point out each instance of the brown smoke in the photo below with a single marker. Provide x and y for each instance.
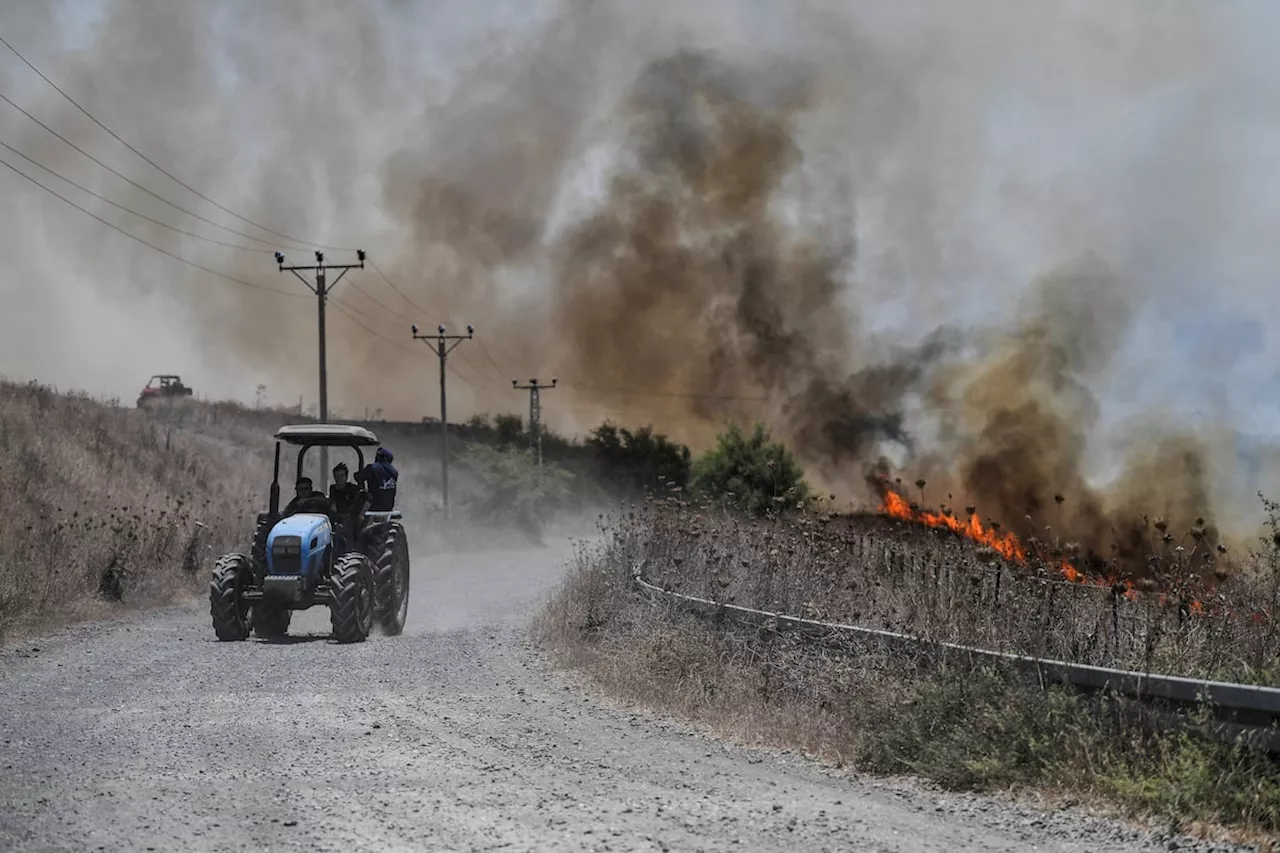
(730, 158)
(1019, 417)
(686, 278)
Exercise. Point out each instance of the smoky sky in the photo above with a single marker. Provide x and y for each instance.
(835, 216)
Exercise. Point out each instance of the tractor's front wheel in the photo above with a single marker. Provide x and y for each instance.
(231, 613)
(351, 613)
(391, 581)
(271, 621)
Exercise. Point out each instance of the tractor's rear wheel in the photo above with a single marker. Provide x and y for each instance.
(391, 581)
(351, 613)
(271, 621)
(232, 614)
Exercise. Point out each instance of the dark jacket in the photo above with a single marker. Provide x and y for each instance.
(380, 478)
(345, 497)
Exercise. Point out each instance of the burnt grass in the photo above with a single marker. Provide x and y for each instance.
(888, 710)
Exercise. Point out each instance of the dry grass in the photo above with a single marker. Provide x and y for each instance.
(931, 583)
(100, 508)
(893, 711)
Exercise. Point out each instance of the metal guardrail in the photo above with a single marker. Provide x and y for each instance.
(1241, 711)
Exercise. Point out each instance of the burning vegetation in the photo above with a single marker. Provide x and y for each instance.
(1187, 569)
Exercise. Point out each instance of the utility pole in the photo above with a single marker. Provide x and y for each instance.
(535, 414)
(322, 290)
(443, 345)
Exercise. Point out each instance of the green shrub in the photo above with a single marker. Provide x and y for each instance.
(639, 461)
(751, 472)
(511, 489)
(510, 430)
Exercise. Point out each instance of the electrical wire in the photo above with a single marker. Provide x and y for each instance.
(347, 311)
(401, 293)
(130, 181)
(130, 211)
(157, 166)
(162, 251)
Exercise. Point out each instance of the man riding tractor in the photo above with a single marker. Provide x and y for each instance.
(307, 499)
(380, 478)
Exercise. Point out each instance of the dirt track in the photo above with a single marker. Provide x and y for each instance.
(149, 734)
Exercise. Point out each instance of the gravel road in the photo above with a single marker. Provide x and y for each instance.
(147, 734)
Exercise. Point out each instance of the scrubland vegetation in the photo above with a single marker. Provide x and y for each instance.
(748, 535)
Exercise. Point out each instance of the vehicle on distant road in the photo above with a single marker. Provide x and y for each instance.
(163, 387)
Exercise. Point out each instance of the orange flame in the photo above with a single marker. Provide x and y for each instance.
(1006, 544)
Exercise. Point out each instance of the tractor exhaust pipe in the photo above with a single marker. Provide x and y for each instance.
(273, 506)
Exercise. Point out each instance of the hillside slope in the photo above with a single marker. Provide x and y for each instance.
(102, 506)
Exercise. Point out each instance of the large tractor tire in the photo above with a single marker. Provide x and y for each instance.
(351, 613)
(232, 614)
(391, 581)
(271, 621)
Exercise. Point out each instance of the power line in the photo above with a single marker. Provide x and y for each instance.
(103, 198)
(156, 165)
(130, 181)
(401, 293)
(391, 311)
(354, 310)
(371, 298)
(115, 227)
(347, 310)
(485, 351)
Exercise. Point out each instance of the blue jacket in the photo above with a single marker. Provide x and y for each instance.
(380, 478)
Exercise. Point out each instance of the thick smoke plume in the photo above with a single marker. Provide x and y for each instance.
(957, 239)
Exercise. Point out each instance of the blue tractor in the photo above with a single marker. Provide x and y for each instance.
(357, 564)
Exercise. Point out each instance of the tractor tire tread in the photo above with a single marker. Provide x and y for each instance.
(351, 614)
(391, 551)
(231, 621)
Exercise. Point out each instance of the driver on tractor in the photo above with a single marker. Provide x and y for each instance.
(307, 499)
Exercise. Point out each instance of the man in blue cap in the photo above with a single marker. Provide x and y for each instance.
(380, 478)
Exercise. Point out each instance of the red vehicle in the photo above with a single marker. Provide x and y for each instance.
(163, 387)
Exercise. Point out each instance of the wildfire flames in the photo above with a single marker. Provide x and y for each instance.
(1007, 545)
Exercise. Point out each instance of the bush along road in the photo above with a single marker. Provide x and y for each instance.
(148, 734)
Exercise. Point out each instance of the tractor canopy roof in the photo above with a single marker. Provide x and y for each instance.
(327, 435)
